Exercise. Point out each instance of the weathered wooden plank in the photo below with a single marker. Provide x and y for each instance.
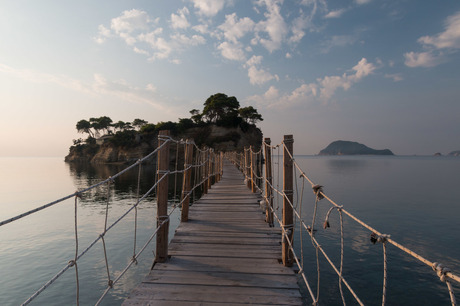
(222, 279)
(225, 254)
(218, 294)
(220, 264)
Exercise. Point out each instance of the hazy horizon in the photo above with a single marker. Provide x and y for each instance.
(382, 74)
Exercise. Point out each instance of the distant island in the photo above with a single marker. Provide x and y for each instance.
(454, 153)
(342, 147)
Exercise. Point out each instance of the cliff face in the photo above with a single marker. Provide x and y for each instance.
(341, 147)
(217, 137)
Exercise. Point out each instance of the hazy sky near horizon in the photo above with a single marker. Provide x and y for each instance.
(382, 73)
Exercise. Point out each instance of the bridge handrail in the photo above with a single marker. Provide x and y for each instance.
(203, 157)
(251, 175)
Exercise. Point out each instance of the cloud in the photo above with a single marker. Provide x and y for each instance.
(396, 77)
(232, 51)
(258, 76)
(274, 25)
(421, 59)
(320, 91)
(338, 41)
(103, 34)
(361, 2)
(233, 28)
(180, 21)
(124, 91)
(335, 14)
(100, 85)
(433, 54)
(208, 7)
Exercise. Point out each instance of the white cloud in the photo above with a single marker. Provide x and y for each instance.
(335, 14)
(421, 59)
(232, 51)
(233, 29)
(208, 7)
(258, 76)
(130, 21)
(100, 86)
(361, 2)
(201, 28)
(140, 51)
(338, 41)
(449, 39)
(103, 34)
(320, 91)
(254, 60)
(274, 25)
(151, 87)
(396, 77)
(180, 21)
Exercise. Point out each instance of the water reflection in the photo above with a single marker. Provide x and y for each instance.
(346, 164)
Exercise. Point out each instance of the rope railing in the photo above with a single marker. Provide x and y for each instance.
(206, 166)
(253, 174)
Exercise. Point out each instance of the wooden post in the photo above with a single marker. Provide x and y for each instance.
(268, 182)
(247, 169)
(288, 216)
(162, 199)
(186, 181)
(205, 172)
(210, 169)
(252, 169)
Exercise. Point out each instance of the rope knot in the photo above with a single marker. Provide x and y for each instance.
(72, 263)
(379, 238)
(110, 283)
(317, 190)
(441, 271)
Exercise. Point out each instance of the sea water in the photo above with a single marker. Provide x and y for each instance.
(414, 199)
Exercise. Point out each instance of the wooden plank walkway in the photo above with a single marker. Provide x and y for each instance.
(225, 254)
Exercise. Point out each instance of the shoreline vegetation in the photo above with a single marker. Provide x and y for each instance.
(222, 125)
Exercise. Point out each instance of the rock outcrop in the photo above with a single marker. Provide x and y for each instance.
(217, 137)
(341, 147)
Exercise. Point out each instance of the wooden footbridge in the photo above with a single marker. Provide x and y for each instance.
(226, 253)
(226, 250)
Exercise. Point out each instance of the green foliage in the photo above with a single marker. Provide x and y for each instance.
(139, 123)
(125, 138)
(250, 114)
(149, 128)
(184, 124)
(220, 107)
(197, 117)
(169, 125)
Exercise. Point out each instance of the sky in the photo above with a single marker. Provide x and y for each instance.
(382, 73)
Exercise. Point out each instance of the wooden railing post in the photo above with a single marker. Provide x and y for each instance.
(186, 180)
(268, 182)
(210, 168)
(205, 171)
(288, 216)
(162, 198)
(252, 169)
(247, 169)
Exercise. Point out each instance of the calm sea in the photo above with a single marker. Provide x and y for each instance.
(414, 199)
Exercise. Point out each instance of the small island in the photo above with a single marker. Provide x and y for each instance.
(454, 153)
(222, 125)
(342, 147)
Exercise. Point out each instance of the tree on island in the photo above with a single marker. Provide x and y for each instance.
(219, 109)
(250, 114)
